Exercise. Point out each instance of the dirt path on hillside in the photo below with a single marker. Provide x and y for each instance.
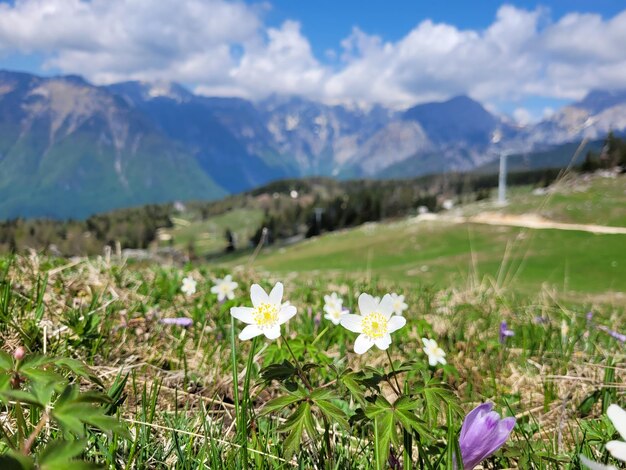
(532, 221)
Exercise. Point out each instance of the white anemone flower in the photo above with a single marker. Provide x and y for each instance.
(399, 305)
(333, 306)
(617, 449)
(189, 286)
(375, 323)
(224, 288)
(266, 315)
(434, 352)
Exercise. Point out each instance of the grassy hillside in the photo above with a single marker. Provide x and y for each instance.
(583, 200)
(208, 236)
(442, 252)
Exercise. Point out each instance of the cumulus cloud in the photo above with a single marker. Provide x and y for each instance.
(111, 40)
(224, 48)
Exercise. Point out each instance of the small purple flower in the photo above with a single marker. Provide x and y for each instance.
(505, 332)
(483, 433)
(618, 336)
(181, 321)
(589, 317)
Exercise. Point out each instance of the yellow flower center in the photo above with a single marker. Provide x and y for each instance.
(375, 325)
(266, 315)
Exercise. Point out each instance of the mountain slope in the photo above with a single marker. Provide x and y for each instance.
(69, 149)
(458, 119)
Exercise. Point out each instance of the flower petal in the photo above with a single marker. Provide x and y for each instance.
(618, 417)
(273, 332)
(362, 344)
(245, 314)
(472, 416)
(181, 321)
(367, 304)
(386, 306)
(214, 290)
(594, 465)
(617, 449)
(384, 342)
(352, 322)
(286, 313)
(276, 295)
(395, 323)
(258, 295)
(250, 331)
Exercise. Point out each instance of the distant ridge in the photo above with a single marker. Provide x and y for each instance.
(70, 149)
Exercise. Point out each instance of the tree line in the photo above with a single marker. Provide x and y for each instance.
(293, 208)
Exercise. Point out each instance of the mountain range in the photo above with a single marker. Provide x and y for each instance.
(69, 149)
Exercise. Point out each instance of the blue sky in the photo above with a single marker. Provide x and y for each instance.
(521, 58)
(327, 22)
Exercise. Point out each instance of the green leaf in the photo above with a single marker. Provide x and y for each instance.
(281, 372)
(350, 382)
(16, 461)
(69, 423)
(35, 361)
(404, 411)
(384, 432)
(116, 393)
(59, 452)
(5, 381)
(44, 391)
(295, 425)
(333, 412)
(21, 396)
(40, 375)
(6, 361)
(280, 403)
(586, 405)
(78, 368)
(108, 424)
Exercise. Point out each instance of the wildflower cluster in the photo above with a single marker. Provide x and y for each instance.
(482, 433)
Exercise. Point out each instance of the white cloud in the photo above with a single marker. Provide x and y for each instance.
(224, 48)
(110, 40)
(522, 116)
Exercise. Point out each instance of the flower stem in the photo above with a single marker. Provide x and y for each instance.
(319, 336)
(395, 375)
(246, 404)
(235, 380)
(307, 384)
(305, 381)
(33, 435)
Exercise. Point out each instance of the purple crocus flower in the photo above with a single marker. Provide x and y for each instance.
(505, 332)
(482, 433)
(181, 321)
(618, 336)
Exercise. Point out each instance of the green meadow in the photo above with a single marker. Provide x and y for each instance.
(107, 363)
